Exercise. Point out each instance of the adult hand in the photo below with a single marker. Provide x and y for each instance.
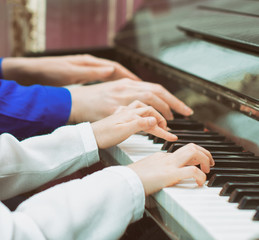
(64, 70)
(167, 169)
(94, 102)
(129, 120)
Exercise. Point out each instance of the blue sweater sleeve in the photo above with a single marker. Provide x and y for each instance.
(28, 111)
(1, 71)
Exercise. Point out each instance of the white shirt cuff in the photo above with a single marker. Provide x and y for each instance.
(89, 142)
(135, 185)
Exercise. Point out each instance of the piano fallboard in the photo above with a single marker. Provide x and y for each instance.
(198, 210)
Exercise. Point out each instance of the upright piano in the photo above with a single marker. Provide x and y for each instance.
(206, 52)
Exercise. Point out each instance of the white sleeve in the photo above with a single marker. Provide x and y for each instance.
(30, 163)
(99, 206)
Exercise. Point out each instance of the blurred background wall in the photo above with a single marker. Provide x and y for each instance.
(37, 25)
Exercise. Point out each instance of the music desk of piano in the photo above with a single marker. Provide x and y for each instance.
(207, 54)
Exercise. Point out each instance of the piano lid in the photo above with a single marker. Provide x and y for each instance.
(229, 71)
(231, 22)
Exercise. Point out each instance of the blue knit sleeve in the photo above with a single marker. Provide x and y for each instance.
(1, 71)
(28, 111)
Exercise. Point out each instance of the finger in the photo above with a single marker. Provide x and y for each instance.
(133, 105)
(120, 109)
(137, 104)
(149, 124)
(139, 124)
(170, 99)
(191, 154)
(176, 104)
(193, 148)
(161, 133)
(207, 153)
(150, 111)
(199, 158)
(120, 71)
(87, 74)
(156, 102)
(192, 172)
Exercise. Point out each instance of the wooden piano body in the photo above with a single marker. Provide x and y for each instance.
(207, 54)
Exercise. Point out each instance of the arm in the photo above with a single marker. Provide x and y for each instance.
(60, 71)
(102, 100)
(30, 163)
(27, 111)
(1, 71)
(100, 206)
(35, 161)
(64, 70)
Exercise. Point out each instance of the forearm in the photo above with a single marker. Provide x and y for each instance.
(28, 111)
(40, 70)
(35, 161)
(99, 206)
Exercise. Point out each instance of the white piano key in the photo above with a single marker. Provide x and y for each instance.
(200, 210)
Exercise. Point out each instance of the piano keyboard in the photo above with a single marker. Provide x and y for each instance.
(225, 207)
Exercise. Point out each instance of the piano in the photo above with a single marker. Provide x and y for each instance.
(206, 52)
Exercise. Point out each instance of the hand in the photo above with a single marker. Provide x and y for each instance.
(91, 103)
(119, 126)
(167, 169)
(64, 70)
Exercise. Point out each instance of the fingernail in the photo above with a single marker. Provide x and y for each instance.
(188, 110)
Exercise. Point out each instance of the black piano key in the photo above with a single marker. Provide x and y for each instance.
(185, 136)
(227, 148)
(180, 120)
(194, 135)
(256, 216)
(204, 142)
(229, 187)
(193, 132)
(215, 170)
(218, 180)
(233, 154)
(178, 116)
(151, 137)
(236, 163)
(177, 125)
(236, 157)
(248, 202)
(167, 144)
(158, 140)
(237, 194)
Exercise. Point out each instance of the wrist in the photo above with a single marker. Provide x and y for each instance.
(75, 107)
(17, 69)
(95, 129)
